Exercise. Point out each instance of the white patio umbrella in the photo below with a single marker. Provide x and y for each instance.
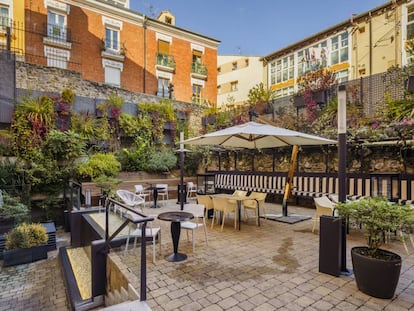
(253, 135)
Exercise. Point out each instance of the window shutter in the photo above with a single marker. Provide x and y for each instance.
(163, 47)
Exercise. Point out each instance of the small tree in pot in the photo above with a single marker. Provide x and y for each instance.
(376, 270)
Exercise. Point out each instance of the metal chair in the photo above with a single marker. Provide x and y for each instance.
(199, 221)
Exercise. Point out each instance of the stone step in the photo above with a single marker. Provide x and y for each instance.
(135, 305)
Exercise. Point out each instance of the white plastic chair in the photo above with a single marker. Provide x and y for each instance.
(324, 206)
(191, 190)
(199, 221)
(139, 189)
(162, 190)
(131, 199)
(150, 232)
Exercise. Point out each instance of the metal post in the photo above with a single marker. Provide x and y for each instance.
(342, 179)
(181, 192)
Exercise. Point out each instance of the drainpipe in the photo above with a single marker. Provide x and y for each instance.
(370, 64)
(144, 67)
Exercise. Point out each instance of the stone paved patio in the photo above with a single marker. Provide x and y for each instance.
(271, 267)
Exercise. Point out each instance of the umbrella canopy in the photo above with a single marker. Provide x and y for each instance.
(253, 135)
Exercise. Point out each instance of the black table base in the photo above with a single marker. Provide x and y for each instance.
(175, 257)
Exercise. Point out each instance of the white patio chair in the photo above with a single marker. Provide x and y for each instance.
(131, 199)
(136, 232)
(145, 194)
(324, 206)
(162, 190)
(191, 190)
(199, 221)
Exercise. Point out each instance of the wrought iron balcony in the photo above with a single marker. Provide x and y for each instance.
(198, 70)
(165, 62)
(56, 35)
(57, 32)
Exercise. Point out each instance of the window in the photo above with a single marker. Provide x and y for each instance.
(112, 76)
(342, 76)
(197, 57)
(163, 47)
(284, 92)
(219, 70)
(197, 94)
(56, 57)
(4, 16)
(410, 32)
(234, 86)
(273, 73)
(163, 87)
(284, 69)
(112, 39)
(219, 89)
(246, 62)
(234, 66)
(56, 25)
(339, 49)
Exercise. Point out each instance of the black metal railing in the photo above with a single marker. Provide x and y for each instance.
(198, 68)
(57, 32)
(109, 202)
(165, 60)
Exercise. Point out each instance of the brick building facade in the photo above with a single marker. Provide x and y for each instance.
(109, 43)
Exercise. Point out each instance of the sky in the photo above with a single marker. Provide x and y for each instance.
(258, 27)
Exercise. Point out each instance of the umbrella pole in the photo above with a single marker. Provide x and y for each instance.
(288, 185)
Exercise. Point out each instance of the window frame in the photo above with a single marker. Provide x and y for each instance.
(110, 43)
(56, 22)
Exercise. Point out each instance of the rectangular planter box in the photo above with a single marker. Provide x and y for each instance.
(24, 255)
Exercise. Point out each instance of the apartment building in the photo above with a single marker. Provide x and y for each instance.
(109, 43)
(11, 11)
(366, 44)
(237, 74)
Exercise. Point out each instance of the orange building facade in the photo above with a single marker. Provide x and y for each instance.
(109, 43)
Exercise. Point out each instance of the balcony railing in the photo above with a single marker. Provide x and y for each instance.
(165, 61)
(57, 32)
(199, 69)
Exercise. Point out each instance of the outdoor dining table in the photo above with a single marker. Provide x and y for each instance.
(176, 217)
(154, 194)
(239, 200)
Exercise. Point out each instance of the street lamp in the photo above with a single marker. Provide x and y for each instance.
(342, 178)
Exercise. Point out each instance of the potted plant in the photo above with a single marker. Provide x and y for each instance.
(376, 270)
(25, 243)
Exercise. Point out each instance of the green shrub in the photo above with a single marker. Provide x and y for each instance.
(99, 164)
(26, 236)
(162, 161)
(11, 207)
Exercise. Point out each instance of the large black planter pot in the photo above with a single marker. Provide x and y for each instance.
(20, 256)
(376, 277)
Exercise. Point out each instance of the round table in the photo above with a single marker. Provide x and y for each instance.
(175, 218)
(154, 194)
